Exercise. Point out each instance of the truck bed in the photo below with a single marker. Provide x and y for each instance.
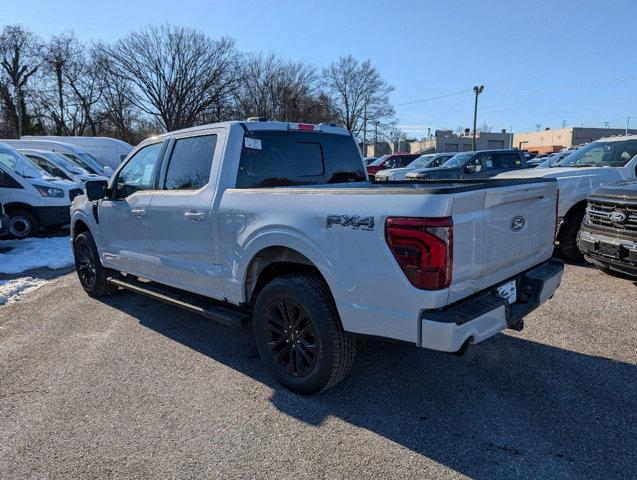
(405, 187)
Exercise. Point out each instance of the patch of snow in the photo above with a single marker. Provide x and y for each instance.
(11, 290)
(29, 253)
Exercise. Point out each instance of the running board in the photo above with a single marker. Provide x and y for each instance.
(188, 301)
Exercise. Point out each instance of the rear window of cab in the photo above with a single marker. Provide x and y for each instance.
(284, 158)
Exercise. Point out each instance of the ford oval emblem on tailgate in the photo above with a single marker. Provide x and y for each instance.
(517, 224)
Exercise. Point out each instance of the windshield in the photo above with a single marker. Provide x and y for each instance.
(601, 154)
(379, 161)
(421, 161)
(457, 161)
(87, 163)
(21, 165)
(67, 164)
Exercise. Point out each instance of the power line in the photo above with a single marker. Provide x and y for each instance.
(432, 98)
(568, 87)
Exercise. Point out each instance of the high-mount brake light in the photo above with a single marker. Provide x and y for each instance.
(423, 247)
(304, 127)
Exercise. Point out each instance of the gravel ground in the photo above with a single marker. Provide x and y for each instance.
(131, 388)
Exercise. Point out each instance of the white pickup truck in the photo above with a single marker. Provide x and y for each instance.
(276, 223)
(602, 162)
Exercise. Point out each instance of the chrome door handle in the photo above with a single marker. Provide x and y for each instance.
(195, 216)
(138, 212)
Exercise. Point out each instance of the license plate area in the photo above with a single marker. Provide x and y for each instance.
(508, 291)
(609, 249)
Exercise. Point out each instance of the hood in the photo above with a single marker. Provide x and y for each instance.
(85, 177)
(575, 183)
(57, 183)
(558, 172)
(437, 172)
(392, 171)
(623, 188)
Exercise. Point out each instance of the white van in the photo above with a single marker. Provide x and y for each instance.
(108, 151)
(57, 165)
(80, 156)
(31, 197)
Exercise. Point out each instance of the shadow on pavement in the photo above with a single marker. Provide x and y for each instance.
(509, 407)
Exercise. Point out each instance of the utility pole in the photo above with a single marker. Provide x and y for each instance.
(538, 126)
(18, 95)
(627, 123)
(365, 130)
(606, 124)
(477, 90)
(563, 123)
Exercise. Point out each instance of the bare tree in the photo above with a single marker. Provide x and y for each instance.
(358, 93)
(20, 59)
(280, 89)
(176, 74)
(58, 53)
(485, 128)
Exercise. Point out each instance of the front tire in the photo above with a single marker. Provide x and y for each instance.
(22, 224)
(568, 237)
(299, 336)
(92, 275)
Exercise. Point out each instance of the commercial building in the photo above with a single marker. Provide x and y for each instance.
(554, 140)
(447, 141)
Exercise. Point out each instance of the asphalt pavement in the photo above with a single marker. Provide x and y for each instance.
(131, 388)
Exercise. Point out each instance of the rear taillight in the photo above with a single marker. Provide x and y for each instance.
(423, 247)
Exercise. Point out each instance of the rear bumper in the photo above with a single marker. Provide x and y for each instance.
(616, 254)
(486, 314)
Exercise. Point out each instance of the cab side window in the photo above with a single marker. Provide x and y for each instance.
(7, 182)
(190, 163)
(508, 160)
(624, 153)
(140, 172)
(483, 162)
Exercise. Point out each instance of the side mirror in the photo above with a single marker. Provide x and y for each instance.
(469, 168)
(108, 171)
(96, 189)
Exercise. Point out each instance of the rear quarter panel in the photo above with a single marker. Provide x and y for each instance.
(372, 294)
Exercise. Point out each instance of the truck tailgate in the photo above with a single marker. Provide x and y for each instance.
(517, 232)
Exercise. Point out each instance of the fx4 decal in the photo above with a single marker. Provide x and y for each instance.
(354, 221)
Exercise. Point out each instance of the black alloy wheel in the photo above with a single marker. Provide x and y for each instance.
(291, 337)
(86, 269)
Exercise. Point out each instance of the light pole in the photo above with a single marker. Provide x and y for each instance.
(477, 90)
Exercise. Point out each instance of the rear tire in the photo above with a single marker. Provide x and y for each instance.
(22, 224)
(568, 237)
(299, 335)
(92, 275)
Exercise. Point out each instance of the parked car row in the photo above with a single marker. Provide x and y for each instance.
(39, 177)
(578, 173)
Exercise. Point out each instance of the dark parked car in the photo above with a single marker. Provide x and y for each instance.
(480, 164)
(608, 235)
(395, 160)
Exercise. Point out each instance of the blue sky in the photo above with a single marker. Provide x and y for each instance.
(542, 62)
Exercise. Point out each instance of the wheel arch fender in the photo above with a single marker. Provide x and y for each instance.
(282, 246)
